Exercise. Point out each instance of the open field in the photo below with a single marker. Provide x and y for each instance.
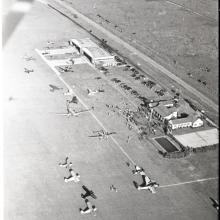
(37, 137)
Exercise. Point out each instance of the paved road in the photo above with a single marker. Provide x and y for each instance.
(141, 55)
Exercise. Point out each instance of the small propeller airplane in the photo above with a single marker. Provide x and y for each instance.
(89, 208)
(215, 203)
(102, 134)
(53, 88)
(65, 69)
(72, 177)
(88, 193)
(90, 92)
(72, 112)
(50, 42)
(28, 70)
(28, 58)
(147, 182)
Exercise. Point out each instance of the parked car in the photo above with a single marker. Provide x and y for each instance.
(135, 93)
(115, 80)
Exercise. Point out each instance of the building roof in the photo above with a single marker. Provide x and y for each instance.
(191, 118)
(184, 107)
(181, 120)
(164, 111)
(92, 49)
(97, 52)
(199, 138)
(85, 42)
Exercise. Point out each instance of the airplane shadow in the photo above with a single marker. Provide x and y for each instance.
(135, 184)
(214, 203)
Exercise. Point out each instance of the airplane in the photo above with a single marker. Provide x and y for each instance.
(139, 170)
(72, 61)
(53, 88)
(65, 69)
(215, 203)
(102, 134)
(28, 58)
(66, 164)
(150, 186)
(72, 112)
(147, 183)
(50, 42)
(73, 177)
(28, 70)
(45, 53)
(88, 193)
(90, 92)
(89, 208)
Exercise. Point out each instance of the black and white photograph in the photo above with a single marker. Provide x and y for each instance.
(110, 110)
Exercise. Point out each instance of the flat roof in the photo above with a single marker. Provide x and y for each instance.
(92, 49)
(199, 138)
(190, 118)
(85, 42)
(97, 52)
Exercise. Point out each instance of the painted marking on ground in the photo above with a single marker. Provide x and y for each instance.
(190, 10)
(83, 103)
(188, 182)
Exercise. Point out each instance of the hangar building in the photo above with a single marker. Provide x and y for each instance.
(95, 54)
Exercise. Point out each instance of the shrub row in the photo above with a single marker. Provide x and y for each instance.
(187, 150)
(204, 148)
(177, 154)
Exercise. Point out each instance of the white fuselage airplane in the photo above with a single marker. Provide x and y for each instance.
(148, 184)
(72, 112)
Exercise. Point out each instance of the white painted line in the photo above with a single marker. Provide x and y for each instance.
(190, 10)
(80, 100)
(193, 181)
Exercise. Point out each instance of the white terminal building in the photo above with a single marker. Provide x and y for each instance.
(93, 52)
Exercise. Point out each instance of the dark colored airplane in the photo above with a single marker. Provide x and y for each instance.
(28, 70)
(88, 193)
(215, 203)
(53, 88)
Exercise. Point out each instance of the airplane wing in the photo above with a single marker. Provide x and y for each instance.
(89, 205)
(152, 189)
(147, 180)
(66, 114)
(94, 136)
(85, 110)
(85, 209)
(109, 133)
